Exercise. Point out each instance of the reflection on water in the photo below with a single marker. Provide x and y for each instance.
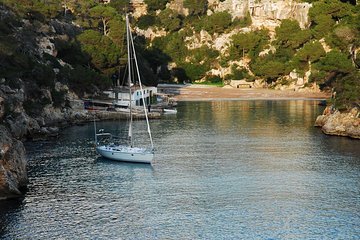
(222, 170)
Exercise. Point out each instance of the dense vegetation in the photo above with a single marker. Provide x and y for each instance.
(329, 47)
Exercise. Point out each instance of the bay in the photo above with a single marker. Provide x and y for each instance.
(222, 170)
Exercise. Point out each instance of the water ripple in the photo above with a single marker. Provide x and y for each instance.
(261, 172)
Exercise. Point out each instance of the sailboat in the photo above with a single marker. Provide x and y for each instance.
(127, 152)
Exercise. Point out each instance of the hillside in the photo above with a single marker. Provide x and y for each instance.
(278, 44)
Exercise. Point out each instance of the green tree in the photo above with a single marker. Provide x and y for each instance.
(336, 62)
(34, 9)
(334, 65)
(153, 5)
(84, 7)
(172, 45)
(242, 43)
(83, 79)
(157, 57)
(217, 22)
(322, 26)
(146, 21)
(248, 43)
(121, 6)
(194, 71)
(118, 33)
(269, 68)
(309, 53)
(242, 22)
(104, 54)
(69, 6)
(348, 91)
(170, 20)
(343, 36)
(335, 9)
(103, 14)
(290, 35)
(203, 55)
(238, 73)
(196, 7)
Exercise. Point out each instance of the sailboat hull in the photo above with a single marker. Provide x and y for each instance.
(126, 154)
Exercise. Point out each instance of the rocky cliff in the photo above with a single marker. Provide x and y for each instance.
(13, 176)
(333, 122)
(266, 13)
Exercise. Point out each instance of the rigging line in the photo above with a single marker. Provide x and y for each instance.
(141, 88)
(94, 126)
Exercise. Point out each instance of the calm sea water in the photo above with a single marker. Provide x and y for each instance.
(222, 170)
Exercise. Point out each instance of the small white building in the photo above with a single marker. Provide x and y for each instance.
(120, 95)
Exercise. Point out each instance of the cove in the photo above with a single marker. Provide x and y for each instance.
(222, 170)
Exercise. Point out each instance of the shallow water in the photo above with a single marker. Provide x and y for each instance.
(222, 170)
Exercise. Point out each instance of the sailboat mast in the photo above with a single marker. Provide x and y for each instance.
(142, 91)
(128, 35)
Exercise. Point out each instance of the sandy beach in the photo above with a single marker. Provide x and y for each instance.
(203, 93)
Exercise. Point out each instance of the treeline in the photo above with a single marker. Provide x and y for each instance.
(329, 48)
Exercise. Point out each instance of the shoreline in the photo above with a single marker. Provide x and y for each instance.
(184, 93)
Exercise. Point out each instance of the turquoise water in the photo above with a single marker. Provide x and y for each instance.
(222, 170)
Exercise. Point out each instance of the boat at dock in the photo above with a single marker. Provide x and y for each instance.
(170, 111)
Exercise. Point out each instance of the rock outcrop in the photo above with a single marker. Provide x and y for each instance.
(333, 122)
(13, 176)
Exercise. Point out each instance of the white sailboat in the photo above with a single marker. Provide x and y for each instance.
(127, 152)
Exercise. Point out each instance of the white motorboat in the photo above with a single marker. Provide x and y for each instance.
(170, 111)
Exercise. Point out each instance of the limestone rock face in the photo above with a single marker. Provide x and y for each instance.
(266, 13)
(13, 176)
(341, 124)
(279, 10)
(178, 6)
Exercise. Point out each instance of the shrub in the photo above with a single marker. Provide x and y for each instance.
(153, 5)
(216, 23)
(214, 80)
(43, 75)
(170, 20)
(238, 73)
(146, 21)
(242, 22)
(348, 91)
(196, 7)
(58, 97)
(269, 70)
(194, 71)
